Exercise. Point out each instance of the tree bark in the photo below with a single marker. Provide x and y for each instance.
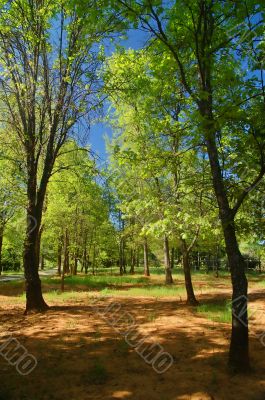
(75, 264)
(146, 261)
(133, 259)
(172, 260)
(191, 299)
(65, 259)
(169, 279)
(121, 255)
(1, 246)
(42, 262)
(59, 255)
(34, 298)
(239, 349)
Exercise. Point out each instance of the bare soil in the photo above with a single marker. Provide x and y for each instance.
(72, 338)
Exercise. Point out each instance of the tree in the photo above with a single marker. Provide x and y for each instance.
(206, 43)
(49, 54)
(151, 148)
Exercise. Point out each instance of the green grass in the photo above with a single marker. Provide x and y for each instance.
(97, 282)
(217, 312)
(152, 291)
(58, 296)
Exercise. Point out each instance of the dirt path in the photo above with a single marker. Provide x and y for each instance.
(80, 356)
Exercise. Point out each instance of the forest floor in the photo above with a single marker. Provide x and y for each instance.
(82, 354)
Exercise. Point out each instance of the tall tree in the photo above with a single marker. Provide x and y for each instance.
(206, 44)
(49, 54)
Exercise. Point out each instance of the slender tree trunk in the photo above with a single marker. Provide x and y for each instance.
(121, 255)
(191, 299)
(146, 261)
(66, 253)
(169, 279)
(1, 245)
(137, 258)
(94, 259)
(59, 255)
(65, 259)
(133, 259)
(75, 264)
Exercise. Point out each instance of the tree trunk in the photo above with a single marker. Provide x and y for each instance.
(137, 258)
(94, 259)
(42, 262)
(239, 350)
(191, 299)
(172, 260)
(65, 259)
(34, 299)
(132, 261)
(59, 256)
(169, 279)
(121, 262)
(1, 246)
(66, 263)
(38, 246)
(146, 261)
(75, 264)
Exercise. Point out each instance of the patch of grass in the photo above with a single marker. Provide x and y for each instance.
(97, 282)
(152, 291)
(217, 312)
(58, 296)
(98, 375)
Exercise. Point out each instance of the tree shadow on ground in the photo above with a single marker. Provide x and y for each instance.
(75, 346)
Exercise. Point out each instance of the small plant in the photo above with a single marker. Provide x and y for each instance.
(217, 312)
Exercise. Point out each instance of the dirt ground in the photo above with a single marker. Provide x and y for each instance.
(81, 357)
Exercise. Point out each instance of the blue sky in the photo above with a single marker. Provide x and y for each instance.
(136, 39)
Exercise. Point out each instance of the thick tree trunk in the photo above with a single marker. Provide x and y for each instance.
(42, 262)
(239, 350)
(146, 261)
(172, 260)
(38, 246)
(34, 299)
(1, 246)
(191, 299)
(169, 279)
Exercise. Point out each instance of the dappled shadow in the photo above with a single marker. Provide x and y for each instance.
(69, 340)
